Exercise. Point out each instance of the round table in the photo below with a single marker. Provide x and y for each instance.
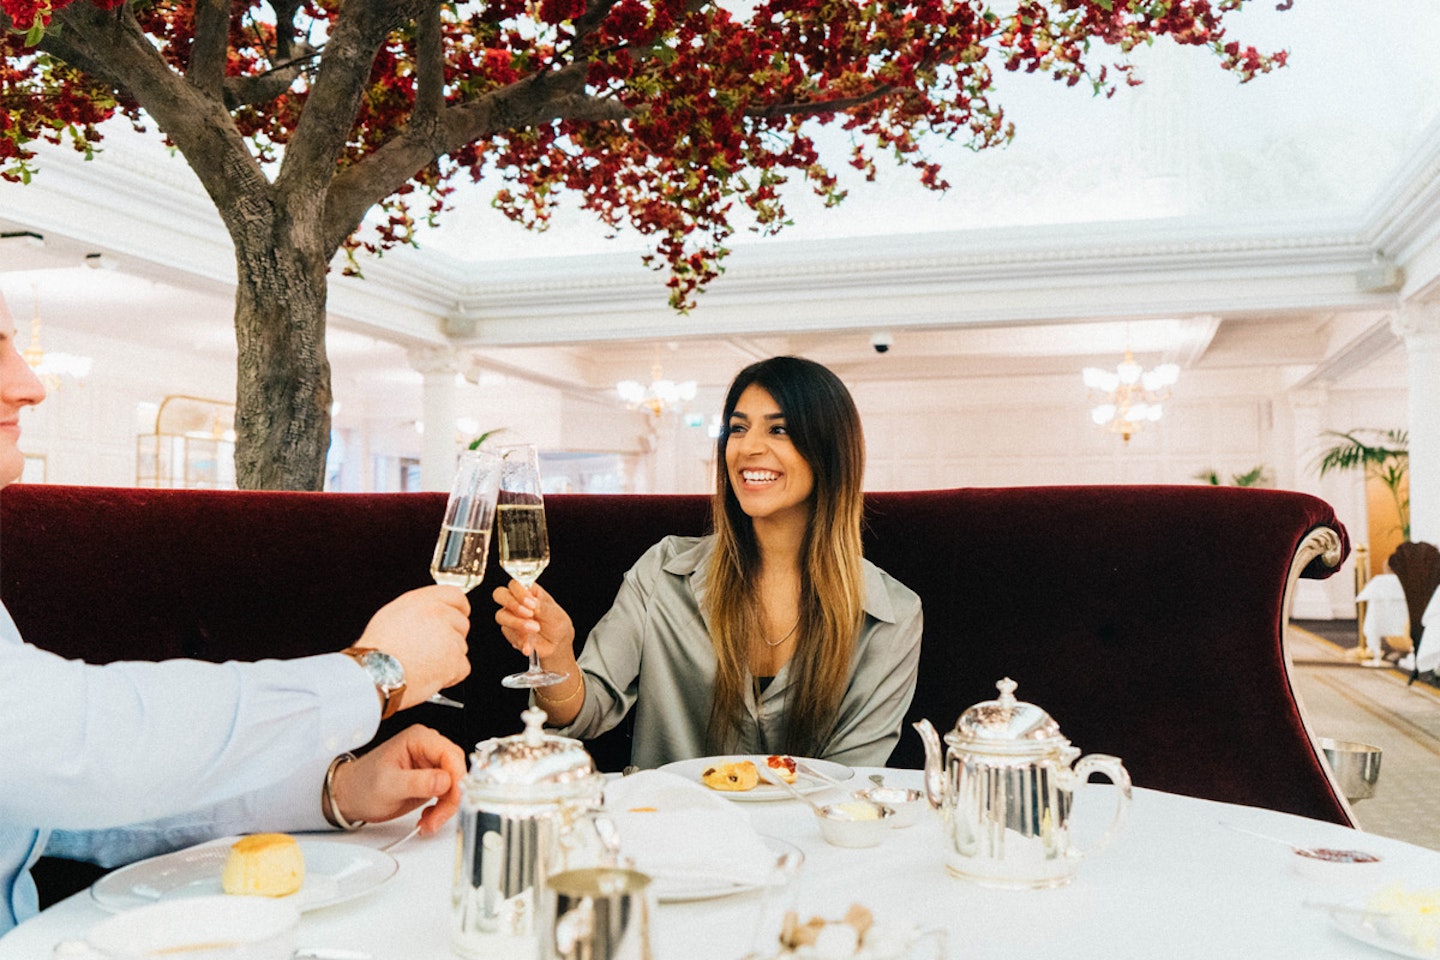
(1177, 883)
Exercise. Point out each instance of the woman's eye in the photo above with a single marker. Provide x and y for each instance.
(735, 428)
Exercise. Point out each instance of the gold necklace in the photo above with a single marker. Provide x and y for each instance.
(787, 636)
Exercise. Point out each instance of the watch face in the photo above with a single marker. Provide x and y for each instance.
(385, 669)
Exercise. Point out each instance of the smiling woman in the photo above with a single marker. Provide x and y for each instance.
(771, 635)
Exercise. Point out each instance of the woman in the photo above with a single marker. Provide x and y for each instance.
(771, 635)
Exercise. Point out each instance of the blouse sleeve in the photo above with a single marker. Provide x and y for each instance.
(610, 660)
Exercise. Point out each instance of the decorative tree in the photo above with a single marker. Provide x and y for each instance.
(299, 116)
(1386, 458)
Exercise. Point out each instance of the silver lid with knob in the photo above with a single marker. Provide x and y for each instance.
(531, 766)
(1006, 725)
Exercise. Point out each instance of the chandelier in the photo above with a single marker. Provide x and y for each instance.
(1130, 396)
(661, 394)
(50, 367)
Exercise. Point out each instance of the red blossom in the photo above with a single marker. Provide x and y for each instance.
(685, 123)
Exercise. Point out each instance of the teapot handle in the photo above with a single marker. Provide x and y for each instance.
(1116, 773)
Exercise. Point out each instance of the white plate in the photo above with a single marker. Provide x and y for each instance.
(788, 859)
(692, 769)
(334, 872)
(1378, 932)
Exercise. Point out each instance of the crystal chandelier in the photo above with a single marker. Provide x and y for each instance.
(50, 367)
(661, 395)
(1130, 396)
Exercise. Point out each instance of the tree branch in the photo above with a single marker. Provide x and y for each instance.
(111, 47)
(323, 128)
(206, 70)
(429, 72)
(243, 91)
(557, 95)
(285, 39)
(838, 105)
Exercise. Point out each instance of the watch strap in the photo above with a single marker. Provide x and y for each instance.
(390, 693)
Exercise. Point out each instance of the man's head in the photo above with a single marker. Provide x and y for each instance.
(19, 388)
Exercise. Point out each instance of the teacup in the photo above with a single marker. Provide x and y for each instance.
(192, 928)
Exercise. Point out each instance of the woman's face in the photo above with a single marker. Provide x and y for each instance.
(770, 478)
(19, 388)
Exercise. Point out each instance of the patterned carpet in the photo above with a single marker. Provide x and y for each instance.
(1347, 701)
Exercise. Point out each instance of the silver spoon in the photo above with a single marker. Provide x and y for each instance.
(1303, 851)
(777, 780)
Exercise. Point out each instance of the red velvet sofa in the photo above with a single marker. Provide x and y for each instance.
(1148, 620)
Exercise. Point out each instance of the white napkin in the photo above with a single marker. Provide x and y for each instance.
(680, 831)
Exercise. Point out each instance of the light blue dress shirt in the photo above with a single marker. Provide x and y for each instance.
(117, 762)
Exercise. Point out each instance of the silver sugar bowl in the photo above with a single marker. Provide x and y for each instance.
(523, 797)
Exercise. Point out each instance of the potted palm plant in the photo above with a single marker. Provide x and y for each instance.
(1386, 457)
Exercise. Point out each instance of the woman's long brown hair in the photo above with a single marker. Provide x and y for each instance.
(824, 426)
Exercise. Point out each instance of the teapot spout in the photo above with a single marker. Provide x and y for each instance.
(934, 763)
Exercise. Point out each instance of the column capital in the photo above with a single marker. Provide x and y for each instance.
(429, 359)
(1416, 319)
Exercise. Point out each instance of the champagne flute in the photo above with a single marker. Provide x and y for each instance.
(524, 544)
(464, 542)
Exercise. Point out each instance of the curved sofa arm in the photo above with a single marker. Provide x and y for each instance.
(1319, 553)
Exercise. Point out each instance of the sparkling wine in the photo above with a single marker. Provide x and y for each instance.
(524, 545)
(460, 557)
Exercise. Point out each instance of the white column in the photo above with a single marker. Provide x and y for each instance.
(1418, 324)
(439, 366)
(1314, 599)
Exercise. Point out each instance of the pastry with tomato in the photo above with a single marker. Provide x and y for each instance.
(783, 766)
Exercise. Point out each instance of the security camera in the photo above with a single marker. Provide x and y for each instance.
(881, 341)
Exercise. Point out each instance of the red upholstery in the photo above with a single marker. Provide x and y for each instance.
(1146, 620)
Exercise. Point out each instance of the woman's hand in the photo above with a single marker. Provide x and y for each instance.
(407, 771)
(531, 618)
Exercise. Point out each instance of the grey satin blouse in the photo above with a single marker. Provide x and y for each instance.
(652, 652)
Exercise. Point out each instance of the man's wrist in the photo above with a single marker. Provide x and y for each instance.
(328, 806)
(387, 673)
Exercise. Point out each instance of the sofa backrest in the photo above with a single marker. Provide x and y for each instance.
(1147, 620)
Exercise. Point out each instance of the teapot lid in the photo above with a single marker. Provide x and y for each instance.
(1006, 725)
(532, 765)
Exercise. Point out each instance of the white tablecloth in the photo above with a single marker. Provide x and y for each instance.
(1176, 884)
(1386, 614)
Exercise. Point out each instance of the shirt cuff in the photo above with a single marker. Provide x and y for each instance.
(350, 720)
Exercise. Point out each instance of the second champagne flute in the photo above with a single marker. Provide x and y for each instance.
(464, 543)
(524, 542)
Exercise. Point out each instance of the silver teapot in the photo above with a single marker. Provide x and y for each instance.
(528, 799)
(1005, 787)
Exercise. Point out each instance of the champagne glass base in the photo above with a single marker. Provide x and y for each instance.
(533, 678)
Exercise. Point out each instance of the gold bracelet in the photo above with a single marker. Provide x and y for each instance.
(580, 688)
(329, 807)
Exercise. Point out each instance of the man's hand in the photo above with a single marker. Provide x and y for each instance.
(425, 629)
(407, 771)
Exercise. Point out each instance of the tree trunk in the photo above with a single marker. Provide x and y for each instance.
(282, 414)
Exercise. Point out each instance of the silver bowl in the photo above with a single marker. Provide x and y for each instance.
(907, 804)
(839, 824)
(1356, 766)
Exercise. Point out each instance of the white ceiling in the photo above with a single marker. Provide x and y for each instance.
(1216, 225)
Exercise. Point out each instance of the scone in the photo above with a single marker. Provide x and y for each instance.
(783, 765)
(264, 865)
(732, 777)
